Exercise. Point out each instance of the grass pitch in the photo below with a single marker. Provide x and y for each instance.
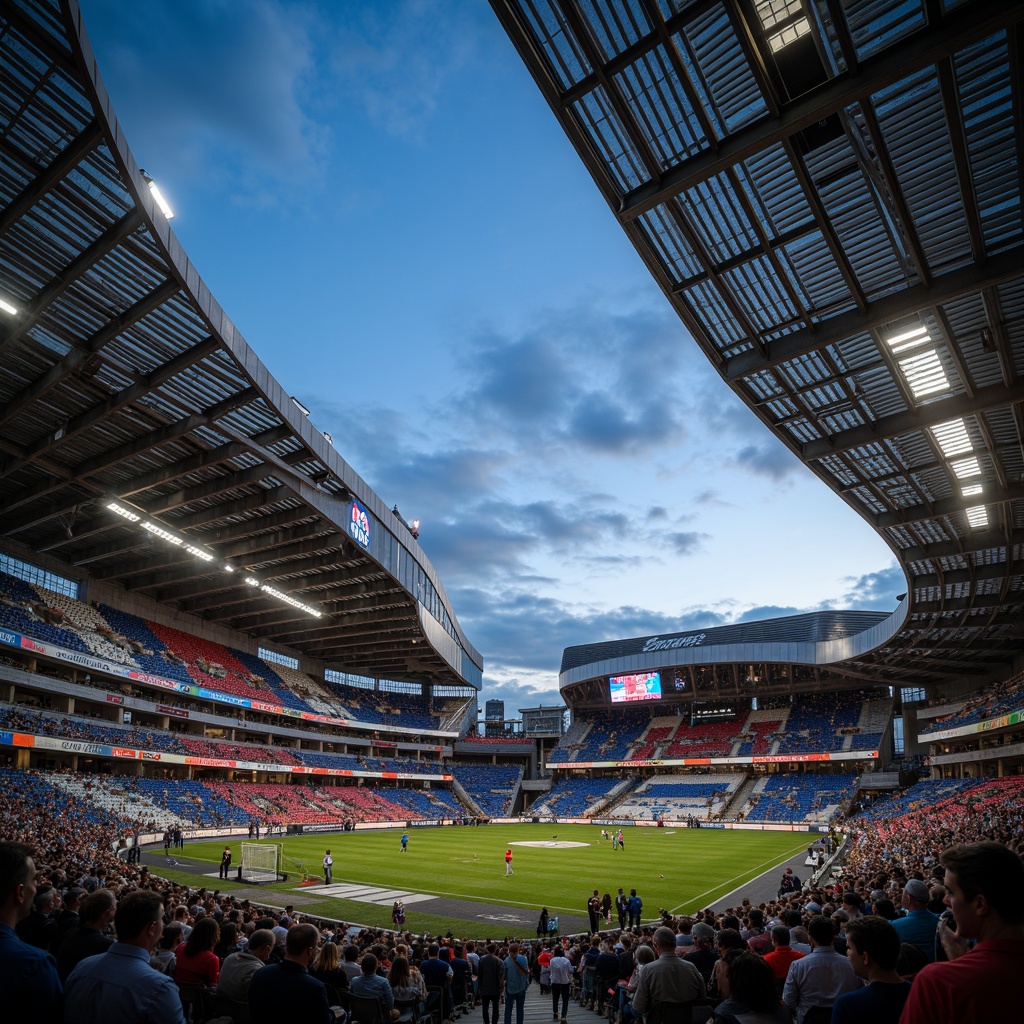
(682, 870)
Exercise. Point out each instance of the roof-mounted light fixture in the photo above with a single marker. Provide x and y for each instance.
(286, 598)
(300, 406)
(158, 196)
(8, 308)
(134, 515)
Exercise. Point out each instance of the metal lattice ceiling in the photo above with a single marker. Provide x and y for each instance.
(121, 377)
(808, 181)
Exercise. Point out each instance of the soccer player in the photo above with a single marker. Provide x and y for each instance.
(508, 862)
(405, 843)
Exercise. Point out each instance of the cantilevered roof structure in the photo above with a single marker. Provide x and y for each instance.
(829, 194)
(142, 442)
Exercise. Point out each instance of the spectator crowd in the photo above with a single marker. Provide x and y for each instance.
(923, 924)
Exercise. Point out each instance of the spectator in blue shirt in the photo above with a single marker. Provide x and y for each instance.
(120, 986)
(29, 987)
(819, 979)
(370, 985)
(517, 978)
(920, 924)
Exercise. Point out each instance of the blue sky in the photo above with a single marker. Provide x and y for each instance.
(384, 205)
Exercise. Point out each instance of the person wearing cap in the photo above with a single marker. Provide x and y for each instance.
(919, 925)
(703, 955)
(985, 892)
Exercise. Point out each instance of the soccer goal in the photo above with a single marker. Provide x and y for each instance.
(261, 862)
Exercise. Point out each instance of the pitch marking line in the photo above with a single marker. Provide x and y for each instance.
(721, 889)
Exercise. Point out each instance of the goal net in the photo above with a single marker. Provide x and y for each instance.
(261, 862)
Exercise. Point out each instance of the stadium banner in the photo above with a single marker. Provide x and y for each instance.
(1011, 718)
(80, 747)
(166, 709)
(17, 739)
(355, 773)
(841, 755)
(87, 661)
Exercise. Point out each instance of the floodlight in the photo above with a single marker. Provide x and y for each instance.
(158, 196)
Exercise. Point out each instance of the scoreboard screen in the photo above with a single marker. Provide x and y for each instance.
(642, 686)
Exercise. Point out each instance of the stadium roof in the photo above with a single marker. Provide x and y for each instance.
(829, 195)
(123, 383)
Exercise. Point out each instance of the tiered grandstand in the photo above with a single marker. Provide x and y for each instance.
(208, 619)
(678, 797)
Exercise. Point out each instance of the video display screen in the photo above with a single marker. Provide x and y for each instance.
(642, 686)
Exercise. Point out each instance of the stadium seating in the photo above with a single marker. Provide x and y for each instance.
(491, 786)
(703, 739)
(24, 610)
(608, 738)
(762, 735)
(677, 796)
(998, 699)
(801, 797)
(925, 793)
(816, 722)
(573, 798)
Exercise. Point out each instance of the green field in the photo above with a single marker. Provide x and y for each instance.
(680, 869)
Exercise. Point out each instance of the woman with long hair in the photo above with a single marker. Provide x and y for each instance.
(228, 942)
(407, 985)
(197, 962)
(327, 967)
